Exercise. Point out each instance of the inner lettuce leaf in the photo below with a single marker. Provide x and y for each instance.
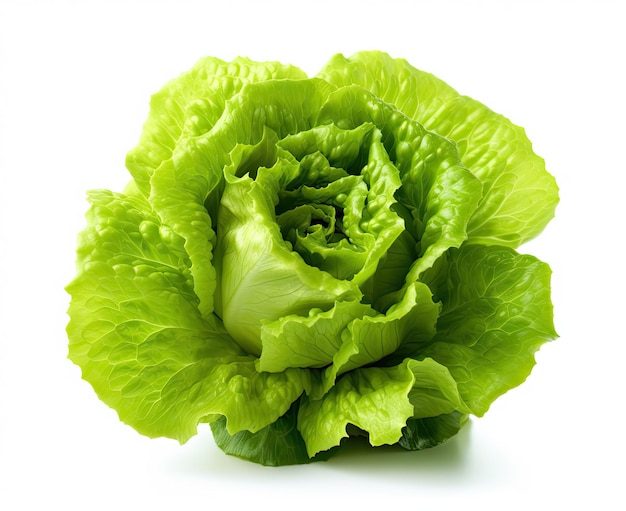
(300, 260)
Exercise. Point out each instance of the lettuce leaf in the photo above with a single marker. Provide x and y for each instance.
(137, 333)
(496, 314)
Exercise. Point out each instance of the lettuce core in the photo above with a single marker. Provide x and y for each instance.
(298, 259)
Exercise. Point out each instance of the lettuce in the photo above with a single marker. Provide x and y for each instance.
(298, 260)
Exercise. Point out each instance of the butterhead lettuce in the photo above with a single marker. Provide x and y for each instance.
(297, 260)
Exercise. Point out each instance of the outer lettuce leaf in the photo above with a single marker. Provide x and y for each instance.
(431, 431)
(417, 94)
(379, 401)
(137, 333)
(191, 104)
(279, 443)
(519, 196)
(496, 314)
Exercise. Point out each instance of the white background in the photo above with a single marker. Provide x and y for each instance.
(75, 81)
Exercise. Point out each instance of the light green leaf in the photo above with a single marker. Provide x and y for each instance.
(307, 341)
(496, 314)
(417, 94)
(378, 400)
(191, 104)
(373, 399)
(137, 334)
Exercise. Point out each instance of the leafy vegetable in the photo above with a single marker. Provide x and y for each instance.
(297, 260)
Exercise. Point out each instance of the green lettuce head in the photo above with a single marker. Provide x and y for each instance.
(297, 260)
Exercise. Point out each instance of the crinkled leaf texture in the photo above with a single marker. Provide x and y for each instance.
(297, 260)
